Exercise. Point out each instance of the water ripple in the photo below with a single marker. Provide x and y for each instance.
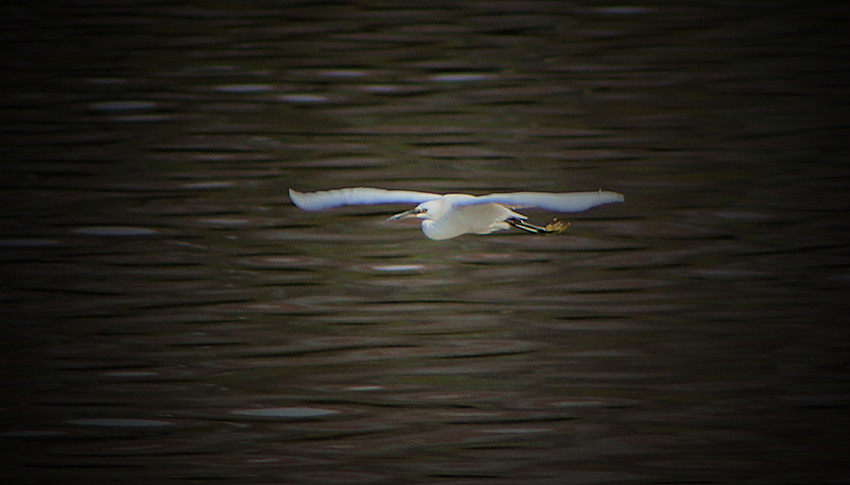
(285, 413)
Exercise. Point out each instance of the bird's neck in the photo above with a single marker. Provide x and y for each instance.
(432, 230)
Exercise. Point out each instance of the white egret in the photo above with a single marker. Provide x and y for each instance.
(445, 216)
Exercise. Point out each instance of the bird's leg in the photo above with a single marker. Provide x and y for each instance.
(554, 227)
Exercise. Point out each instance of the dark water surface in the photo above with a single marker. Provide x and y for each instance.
(169, 316)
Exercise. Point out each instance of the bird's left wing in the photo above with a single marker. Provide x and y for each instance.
(326, 199)
(559, 202)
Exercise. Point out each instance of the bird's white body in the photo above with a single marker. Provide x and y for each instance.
(448, 218)
(451, 215)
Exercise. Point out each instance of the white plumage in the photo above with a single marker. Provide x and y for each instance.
(451, 215)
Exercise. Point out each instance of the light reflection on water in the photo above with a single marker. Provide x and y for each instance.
(169, 315)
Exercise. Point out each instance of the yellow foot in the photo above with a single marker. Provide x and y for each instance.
(557, 227)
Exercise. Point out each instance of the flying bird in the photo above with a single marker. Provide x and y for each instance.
(445, 216)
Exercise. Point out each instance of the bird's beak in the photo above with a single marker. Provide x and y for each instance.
(404, 215)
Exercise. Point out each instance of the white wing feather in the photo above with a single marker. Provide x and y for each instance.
(558, 202)
(326, 199)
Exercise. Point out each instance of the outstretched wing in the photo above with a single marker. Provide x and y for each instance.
(558, 202)
(326, 199)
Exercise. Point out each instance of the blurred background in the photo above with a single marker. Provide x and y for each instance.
(168, 315)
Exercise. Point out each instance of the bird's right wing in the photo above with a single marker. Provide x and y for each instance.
(559, 202)
(326, 199)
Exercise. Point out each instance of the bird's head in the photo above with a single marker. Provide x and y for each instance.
(429, 210)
